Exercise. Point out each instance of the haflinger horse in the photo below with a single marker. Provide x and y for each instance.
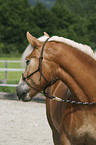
(74, 64)
(57, 89)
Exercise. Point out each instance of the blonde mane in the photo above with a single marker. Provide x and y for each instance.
(84, 48)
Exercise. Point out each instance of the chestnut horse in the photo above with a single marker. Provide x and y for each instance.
(75, 65)
(57, 89)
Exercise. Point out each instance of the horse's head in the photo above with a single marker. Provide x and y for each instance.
(39, 70)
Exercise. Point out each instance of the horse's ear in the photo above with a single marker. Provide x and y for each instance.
(32, 40)
(46, 34)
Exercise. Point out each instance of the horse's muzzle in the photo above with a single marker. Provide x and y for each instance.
(23, 92)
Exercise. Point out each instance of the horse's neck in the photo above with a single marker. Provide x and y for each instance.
(78, 72)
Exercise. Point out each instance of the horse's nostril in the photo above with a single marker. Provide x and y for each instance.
(23, 95)
(20, 92)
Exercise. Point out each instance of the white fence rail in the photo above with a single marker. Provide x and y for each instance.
(11, 69)
(3, 81)
(12, 61)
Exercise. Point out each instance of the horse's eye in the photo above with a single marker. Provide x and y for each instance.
(27, 61)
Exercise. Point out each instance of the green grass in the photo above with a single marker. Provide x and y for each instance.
(10, 57)
(10, 65)
(8, 89)
(12, 77)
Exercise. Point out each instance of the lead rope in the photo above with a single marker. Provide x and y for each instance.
(55, 98)
(72, 102)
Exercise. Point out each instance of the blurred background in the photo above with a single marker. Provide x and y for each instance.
(75, 20)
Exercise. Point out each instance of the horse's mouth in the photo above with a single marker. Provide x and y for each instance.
(26, 97)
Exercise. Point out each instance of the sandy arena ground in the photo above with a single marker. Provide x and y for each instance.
(24, 123)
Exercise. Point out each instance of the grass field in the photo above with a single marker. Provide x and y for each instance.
(12, 77)
(10, 57)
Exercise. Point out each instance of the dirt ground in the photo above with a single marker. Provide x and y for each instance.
(24, 123)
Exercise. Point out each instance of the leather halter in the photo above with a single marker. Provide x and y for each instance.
(49, 84)
(40, 70)
(39, 67)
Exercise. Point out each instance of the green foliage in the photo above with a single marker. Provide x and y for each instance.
(14, 22)
(63, 20)
(72, 19)
(79, 7)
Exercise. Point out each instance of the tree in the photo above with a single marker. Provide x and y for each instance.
(63, 20)
(75, 20)
(82, 8)
(14, 24)
(44, 18)
(92, 30)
